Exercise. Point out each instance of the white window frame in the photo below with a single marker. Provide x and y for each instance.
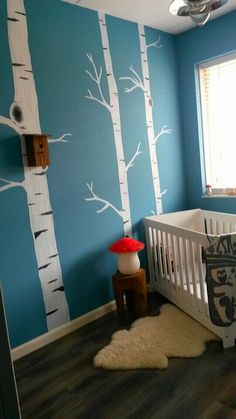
(215, 191)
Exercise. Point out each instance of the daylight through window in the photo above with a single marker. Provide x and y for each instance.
(218, 108)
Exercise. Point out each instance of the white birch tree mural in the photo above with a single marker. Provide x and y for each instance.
(24, 118)
(113, 108)
(144, 84)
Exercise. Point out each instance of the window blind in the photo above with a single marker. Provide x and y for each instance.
(218, 107)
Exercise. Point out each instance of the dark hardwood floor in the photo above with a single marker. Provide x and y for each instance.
(60, 382)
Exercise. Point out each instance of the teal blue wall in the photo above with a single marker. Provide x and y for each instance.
(216, 38)
(60, 35)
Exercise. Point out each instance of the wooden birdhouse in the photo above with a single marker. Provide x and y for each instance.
(37, 149)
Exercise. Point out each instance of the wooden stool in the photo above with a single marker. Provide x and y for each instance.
(134, 288)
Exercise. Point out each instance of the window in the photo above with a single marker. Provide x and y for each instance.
(218, 111)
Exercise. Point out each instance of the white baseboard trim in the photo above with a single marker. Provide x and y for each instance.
(61, 331)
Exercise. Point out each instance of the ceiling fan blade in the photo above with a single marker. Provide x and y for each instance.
(178, 8)
(182, 7)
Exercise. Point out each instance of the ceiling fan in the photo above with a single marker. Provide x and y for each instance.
(198, 10)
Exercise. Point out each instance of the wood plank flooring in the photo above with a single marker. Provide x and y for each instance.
(60, 382)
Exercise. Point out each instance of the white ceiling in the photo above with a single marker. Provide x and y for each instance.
(153, 13)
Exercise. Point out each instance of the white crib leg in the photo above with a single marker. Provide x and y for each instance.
(228, 341)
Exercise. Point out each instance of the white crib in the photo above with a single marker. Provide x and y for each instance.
(175, 244)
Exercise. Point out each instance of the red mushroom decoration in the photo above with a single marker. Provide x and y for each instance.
(208, 189)
(127, 250)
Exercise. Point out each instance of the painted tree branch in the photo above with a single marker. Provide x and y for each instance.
(136, 154)
(135, 80)
(60, 139)
(106, 205)
(91, 97)
(97, 79)
(10, 123)
(159, 198)
(10, 184)
(155, 44)
(163, 131)
(163, 193)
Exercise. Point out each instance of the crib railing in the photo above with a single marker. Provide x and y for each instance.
(176, 260)
(218, 223)
(176, 266)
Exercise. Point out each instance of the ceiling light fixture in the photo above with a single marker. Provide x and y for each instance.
(198, 10)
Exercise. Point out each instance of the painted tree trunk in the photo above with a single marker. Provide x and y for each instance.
(116, 122)
(149, 120)
(24, 113)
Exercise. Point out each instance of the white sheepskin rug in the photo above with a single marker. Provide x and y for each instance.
(152, 340)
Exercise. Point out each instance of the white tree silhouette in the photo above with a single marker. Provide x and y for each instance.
(144, 84)
(114, 109)
(24, 118)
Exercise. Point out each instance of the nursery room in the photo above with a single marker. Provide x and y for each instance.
(117, 209)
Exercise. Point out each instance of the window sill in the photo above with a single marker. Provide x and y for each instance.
(218, 196)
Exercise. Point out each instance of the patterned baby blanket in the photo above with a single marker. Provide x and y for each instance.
(220, 259)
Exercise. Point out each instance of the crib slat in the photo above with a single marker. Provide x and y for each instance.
(175, 265)
(186, 266)
(202, 274)
(231, 228)
(214, 228)
(225, 228)
(210, 226)
(160, 258)
(163, 257)
(194, 281)
(181, 264)
(154, 254)
(169, 258)
(234, 228)
(220, 224)
(150, 255)
(159, 263)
